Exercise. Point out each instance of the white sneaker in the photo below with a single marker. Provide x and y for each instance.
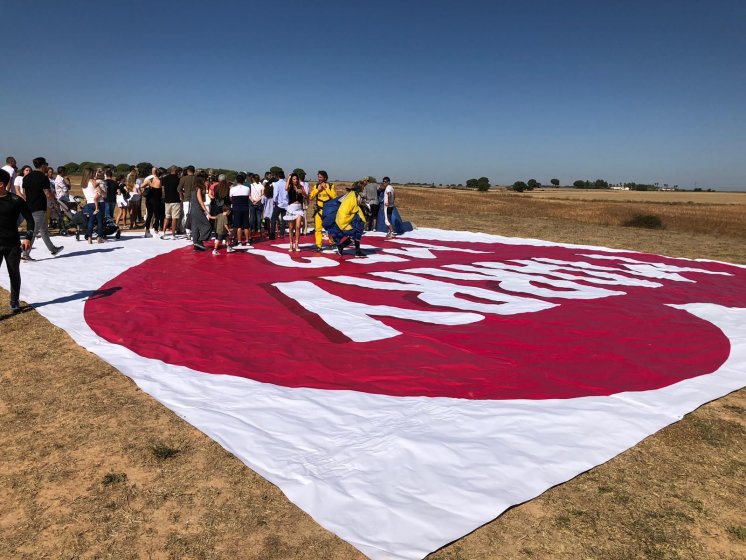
(153, 232)
(215, 252)
(230, 249)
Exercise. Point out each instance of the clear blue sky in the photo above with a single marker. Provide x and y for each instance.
(425, 90)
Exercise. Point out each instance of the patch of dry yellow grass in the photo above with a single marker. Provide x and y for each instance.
(707, 229)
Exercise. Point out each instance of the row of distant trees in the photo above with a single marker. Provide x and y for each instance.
(144, 169)
(601, 184)
(531, 184)
(483, 184)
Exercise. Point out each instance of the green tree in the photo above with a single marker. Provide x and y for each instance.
(600, 184)
(300, 173)
(520, 186)
(472, 183)
(122, 168)
(72, 167)
(144, 168)
(483, 184)
(230, 175)
(532, 184)
(555, 182)
(579, 184)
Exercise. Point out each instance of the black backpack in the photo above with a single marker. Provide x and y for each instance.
(216, 204)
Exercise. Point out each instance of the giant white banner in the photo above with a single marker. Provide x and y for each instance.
(405, 399)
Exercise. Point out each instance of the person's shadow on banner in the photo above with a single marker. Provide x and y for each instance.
(84, 294)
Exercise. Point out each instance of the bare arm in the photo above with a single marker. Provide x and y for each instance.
(201, 200)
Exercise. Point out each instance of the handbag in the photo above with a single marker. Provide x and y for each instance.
(146, 191)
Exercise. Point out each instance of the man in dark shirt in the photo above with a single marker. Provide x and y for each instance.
(112, 187)
(172, 199)
(12, 206)
(38, 191)
(186, 188)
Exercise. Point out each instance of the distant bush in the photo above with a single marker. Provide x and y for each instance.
(647, 221)
(482, 184)
(520, 186)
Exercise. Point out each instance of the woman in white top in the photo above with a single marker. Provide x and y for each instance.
(93, 196)
(18, 182)
(123, 196)
(135, 201)
(256, 204)
(295, 211)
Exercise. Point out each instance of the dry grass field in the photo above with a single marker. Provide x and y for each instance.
(92, 467)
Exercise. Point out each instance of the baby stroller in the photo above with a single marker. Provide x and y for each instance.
(70, 215)
(111, 228)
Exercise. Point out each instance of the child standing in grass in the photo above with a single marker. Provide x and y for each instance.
(223, 229)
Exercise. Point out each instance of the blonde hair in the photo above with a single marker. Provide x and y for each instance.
(131, 178)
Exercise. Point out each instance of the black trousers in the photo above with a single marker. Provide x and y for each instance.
(156, 213)
(12, 256)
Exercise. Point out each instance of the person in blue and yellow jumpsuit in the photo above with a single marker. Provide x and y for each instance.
(321, 193)
(349, 223)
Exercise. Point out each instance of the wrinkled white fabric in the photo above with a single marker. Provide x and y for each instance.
(397, 477)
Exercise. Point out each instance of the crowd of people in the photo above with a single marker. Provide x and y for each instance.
(251, 207)
(187, 202)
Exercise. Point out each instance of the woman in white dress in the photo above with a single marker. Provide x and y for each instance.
(295, 211)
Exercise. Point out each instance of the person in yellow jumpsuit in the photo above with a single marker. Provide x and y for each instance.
(322, 192)
(349, 223)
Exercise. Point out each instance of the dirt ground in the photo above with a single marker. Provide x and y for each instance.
(92, 467)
